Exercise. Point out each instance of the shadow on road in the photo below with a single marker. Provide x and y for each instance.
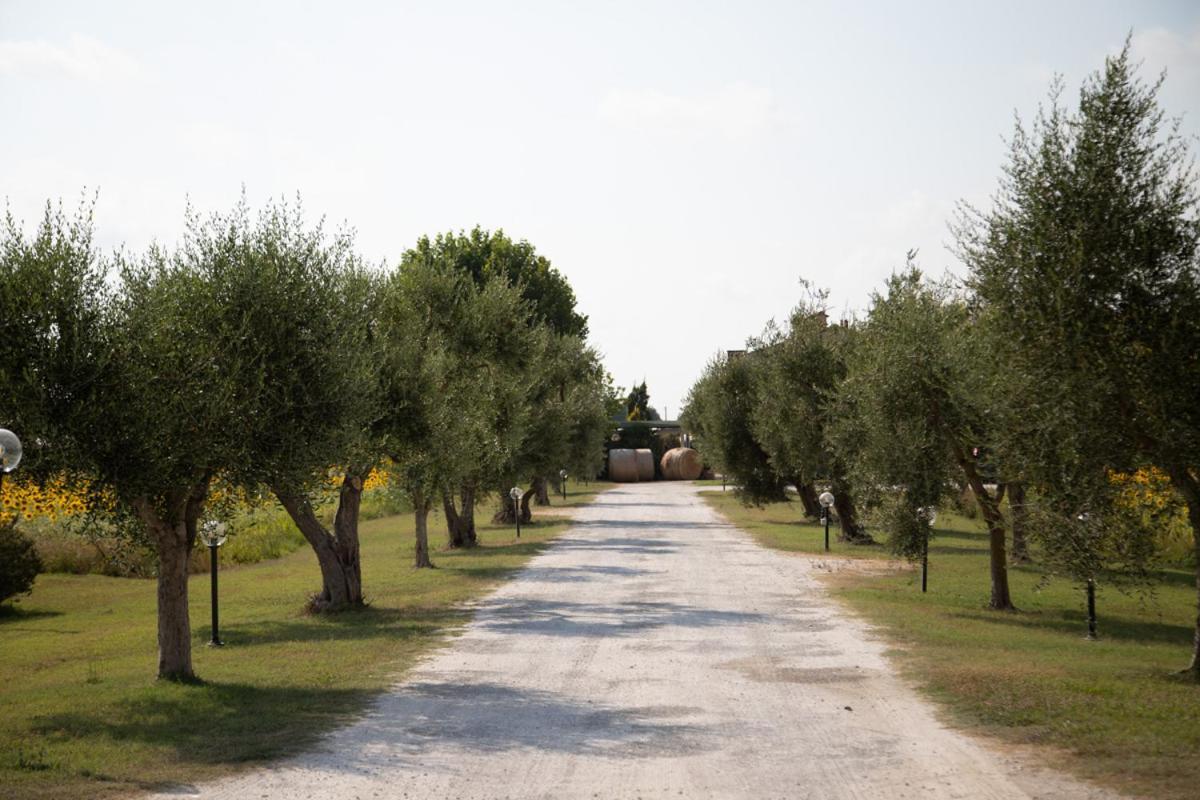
(567, 618)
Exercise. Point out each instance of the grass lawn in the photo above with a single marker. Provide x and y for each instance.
(1113, 710)
(84, 717)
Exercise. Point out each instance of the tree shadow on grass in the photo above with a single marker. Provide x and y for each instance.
(15, 613)
(1075, 623)
(359, 625)
(214, 723)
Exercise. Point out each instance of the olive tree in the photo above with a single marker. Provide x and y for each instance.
(798, 373)
(1088, 264)
(127, 391)
(911, 414)
(451, 412)
(485, 256)
(293, 311)
(566, 426)
(719, 411)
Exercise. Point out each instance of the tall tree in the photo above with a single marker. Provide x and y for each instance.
(152, 424)
(293, 312)
(453, 413)
(719, 411)
(911, 413)
(1088, 263)
(487, 257)
(798, 372)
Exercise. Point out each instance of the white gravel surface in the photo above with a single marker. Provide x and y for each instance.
(654, 651)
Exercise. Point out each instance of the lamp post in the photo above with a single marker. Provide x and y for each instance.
(515, 494)
(562, 473)
(212, 533)
(826, 501)
(1090, 587)
(10, 456)
(927, 514)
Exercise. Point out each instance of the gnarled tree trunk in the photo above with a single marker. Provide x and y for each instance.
(526, 511)
(808, 498)
(337, 552)
(174, 533)
(508, 508)
(1020, 521)
(421, 519)
(1001, 598)
(460, 525)
(541, 487)
(843, 503)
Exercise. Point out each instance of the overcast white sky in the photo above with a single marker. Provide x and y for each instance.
(684, 164)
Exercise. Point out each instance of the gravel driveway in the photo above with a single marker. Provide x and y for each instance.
(654, 651)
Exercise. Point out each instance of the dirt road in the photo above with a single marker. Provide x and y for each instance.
(654, 651)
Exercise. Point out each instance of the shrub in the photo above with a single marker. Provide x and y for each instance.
(19, 563)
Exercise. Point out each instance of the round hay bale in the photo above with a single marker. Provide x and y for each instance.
(681, 464)
(645, 464)
(622, 466)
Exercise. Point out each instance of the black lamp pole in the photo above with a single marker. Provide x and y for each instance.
(925, 563)
(1091, 609)
(216, 637)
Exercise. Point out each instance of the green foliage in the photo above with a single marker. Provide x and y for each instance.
(1087, 269)
(291, 311)
(904, 409)
(719, 411)
(456, 357)
(484, 256)
(19, 562)
(54, 348)
(798, 370)
(637, 404)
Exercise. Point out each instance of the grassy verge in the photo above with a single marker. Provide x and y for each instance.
(83, 716)
(782, 526)
(1113, 711)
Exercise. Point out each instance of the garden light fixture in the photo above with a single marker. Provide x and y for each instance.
(10, 454)
(212, 534)
(515, 494)
(826, 501)
(928, 514)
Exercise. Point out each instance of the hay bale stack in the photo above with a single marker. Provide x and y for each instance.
(681, 464)
(645, 464)
(622, 466)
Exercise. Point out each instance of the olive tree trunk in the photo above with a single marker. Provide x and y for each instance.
(421, 525)
(1001, 598)
(526, 511)
(843, 503)
(174, 533)
(807, 493)
(460, 525)
(338, 551)
(507, 515)
(542, 488)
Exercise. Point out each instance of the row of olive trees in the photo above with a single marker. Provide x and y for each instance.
(1071, 352)
(263, 352)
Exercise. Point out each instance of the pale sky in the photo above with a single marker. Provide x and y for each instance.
(684, 164)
